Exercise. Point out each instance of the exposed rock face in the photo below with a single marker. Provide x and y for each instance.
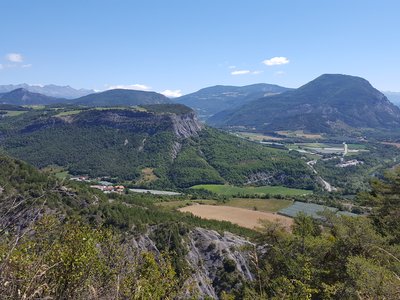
(186, 125)
(258, 177)
(208, 251)
(176, 148)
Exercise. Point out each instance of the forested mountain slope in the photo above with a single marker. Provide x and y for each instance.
(331, 103)
(165, 140)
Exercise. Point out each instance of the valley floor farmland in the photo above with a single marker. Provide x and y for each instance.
(240, 216)
(228, 190)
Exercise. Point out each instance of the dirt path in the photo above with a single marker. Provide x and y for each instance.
(240, 216)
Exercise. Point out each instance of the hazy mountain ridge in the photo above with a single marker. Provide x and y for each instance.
(51, 90)
(211, 100)
(330, 102)
(394, 97)
(22, 96)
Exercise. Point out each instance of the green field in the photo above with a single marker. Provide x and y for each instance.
(266, 205)
(14, 113)
(68, 113)
(35, 106)
(229, 190)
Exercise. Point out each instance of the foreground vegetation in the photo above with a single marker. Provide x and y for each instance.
(62, 240)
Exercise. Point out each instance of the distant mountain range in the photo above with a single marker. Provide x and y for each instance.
(394, 97)
(51, 90)
(211, 100)
(330, 103)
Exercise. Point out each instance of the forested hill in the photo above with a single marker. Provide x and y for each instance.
(156, 146)
(121, 97)
(331, 103)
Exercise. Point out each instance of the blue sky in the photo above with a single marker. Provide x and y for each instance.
(184, 45)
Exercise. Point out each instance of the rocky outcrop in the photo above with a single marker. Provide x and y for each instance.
(176, 148)
(186, 125)
(208, 253)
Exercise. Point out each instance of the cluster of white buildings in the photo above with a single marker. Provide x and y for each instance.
(349, 163)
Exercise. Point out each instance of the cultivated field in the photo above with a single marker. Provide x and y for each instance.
(240, 216)
(300, 133)
(258, 136)
(228, 190)
(265, 205)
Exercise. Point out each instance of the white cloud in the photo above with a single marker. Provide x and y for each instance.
(256, 72)
(172, 93)
(232, 67)
(277, 60)
(14, 57)
(240, 72)
(26, 66)
(139, 87)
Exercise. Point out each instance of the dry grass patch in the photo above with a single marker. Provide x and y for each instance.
(147, 176)
(240, 216)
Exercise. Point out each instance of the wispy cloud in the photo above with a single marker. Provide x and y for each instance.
(140, 87)
(240, 72)
(15, 57)
(277, 60)
(26, 66)
(232, 67)
(172, 93)
(1, 67)
(244, 72)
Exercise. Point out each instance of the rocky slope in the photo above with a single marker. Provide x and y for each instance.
(208, 254)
